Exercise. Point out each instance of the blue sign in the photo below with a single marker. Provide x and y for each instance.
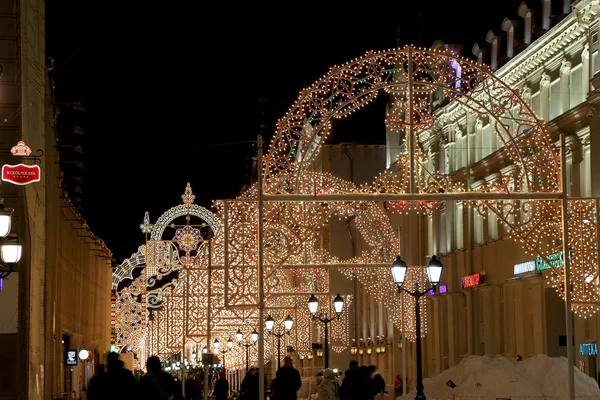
(588, 349)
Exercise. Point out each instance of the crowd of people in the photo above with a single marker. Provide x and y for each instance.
(119, 383)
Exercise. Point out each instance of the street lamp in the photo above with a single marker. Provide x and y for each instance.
(353, 349)
(239, 336)
(226, 350)
(313, 307)
(10, 248)
(5, 219)
(288, 323)
(434, 272)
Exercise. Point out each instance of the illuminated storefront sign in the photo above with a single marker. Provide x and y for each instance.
(523, 268)
(21, 174)
(440, 289)
(588, 349)
(470, 281)
(552, 260)
(71, 357)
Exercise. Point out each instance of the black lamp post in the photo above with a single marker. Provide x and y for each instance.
(313, 307)
(287, 324)
(434, 272)
(253, 339)
(224, 351)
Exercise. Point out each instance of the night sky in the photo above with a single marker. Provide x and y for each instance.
(171, 89)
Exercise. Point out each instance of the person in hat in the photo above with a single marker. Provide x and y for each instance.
(287, 381)
(329, 388)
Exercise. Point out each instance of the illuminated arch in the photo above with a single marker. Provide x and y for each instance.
(347, 88)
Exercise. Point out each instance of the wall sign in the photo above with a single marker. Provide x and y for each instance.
(21, 149)
(523, 268)
(588, 349)
(470, 281)
(553, 260)
(440, 289)
(21, 174)
(71, 357)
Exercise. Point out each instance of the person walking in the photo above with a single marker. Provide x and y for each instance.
(329, 388)
(287, 381)
(158, 384)
(93, 391)
(118, 383)
(348, 390)
(221, 390)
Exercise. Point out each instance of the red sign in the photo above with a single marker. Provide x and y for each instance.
(470, 281)
(21, 174)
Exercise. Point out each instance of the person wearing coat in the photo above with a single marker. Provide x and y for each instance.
(329, 388)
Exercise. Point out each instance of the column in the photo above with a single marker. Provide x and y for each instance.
(545, 97)
(521, 348)
(452, 309)
(565, 78)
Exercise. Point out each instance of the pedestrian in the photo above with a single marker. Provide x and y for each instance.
(158, 384)
(288, 381)
(118, 383)
(221, 390)
(329, 388)
(351, 378)
(93, 390)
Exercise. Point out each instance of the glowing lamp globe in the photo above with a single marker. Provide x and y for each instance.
(254, 336)
(10, 251)
(269, 323)
(399, 268)
(5, 221)
(434, 271)
(205, 350)
(239, 336)
(229, 343)
(216, 344)
(313, 304)
(338, 304)
(84, 354)
(288, 323)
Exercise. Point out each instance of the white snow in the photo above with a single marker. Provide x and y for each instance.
(483, 378)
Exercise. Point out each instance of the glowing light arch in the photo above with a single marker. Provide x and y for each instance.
(412, 74)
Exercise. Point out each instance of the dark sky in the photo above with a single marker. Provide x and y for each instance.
(165, 85)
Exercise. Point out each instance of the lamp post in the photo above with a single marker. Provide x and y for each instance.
(434, 272)
(225, 350)
(239, 336)
(288, 323)
(10, 248)
(313, 307)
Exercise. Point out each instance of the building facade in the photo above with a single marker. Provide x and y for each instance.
(59, 296)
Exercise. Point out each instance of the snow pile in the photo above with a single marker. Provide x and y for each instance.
(481, 378)
(484, 378)
(550, 375)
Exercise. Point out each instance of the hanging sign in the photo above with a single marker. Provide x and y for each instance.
(71, 357)
(470, 281)
(21, 149)
(21, 174)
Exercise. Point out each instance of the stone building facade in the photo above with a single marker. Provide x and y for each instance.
(59, 296)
